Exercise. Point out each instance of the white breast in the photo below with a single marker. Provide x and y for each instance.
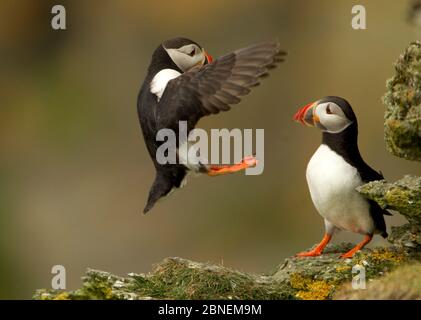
(332, 182)
(160, 81)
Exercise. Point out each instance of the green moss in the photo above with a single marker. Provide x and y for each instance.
(407, 236)
(189, 280)
(177, 278)
(403, 195)
(182, 279)
(403, 106)
(62, 296)
(379, 261)
(402, 283)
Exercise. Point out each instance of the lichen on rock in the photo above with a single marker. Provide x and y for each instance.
(403, 106)
(403, 195)
(406, 236)
(403, 139)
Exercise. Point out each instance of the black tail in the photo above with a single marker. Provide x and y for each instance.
(377, 214)
(160, 188)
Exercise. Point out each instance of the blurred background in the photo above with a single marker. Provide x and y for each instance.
(74, 170)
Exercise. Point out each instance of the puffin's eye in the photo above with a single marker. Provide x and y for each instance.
(328, 111)
(191, 54)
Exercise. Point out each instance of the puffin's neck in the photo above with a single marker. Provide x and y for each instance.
(344, 143)
(160, 61)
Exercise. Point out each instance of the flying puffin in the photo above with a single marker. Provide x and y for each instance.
(335, 170)
(184, 83)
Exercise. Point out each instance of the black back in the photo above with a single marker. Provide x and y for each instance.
(167, 176)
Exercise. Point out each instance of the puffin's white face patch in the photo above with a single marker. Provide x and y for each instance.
(332, 117)
(187, 56)
(160, 81)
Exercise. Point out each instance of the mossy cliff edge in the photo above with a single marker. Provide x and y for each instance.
(402, 129)
(296, 278)
(392, 273)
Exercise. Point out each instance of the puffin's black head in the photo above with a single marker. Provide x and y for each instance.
(329, 114)
(180, 53)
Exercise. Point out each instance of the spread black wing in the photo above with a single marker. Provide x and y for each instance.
(215, 86)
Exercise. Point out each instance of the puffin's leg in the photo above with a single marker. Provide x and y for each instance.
(317, 251)
(358, 247)
(247, 162)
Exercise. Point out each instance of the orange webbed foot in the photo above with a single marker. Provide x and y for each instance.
(318, 250)
(358, 247)
(247, 162)
(312, 253)
(347, 255)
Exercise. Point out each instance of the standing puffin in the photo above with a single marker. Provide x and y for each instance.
(183, 83)
(335, 170)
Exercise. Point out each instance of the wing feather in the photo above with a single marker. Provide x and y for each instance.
(216, 86)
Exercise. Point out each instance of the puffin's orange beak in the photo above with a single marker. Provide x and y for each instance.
(209, 58)
(306, 115)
